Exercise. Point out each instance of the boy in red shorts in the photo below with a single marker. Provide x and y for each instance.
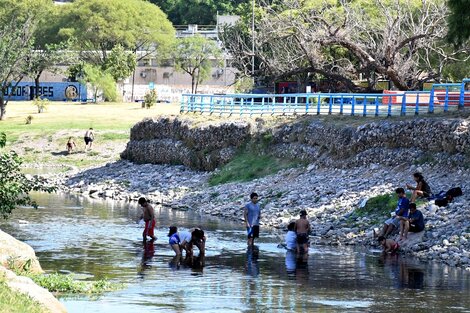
(148, 214)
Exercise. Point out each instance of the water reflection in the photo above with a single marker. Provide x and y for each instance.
(103, 241)
(403, 272)
(252, 265)
(147, 256)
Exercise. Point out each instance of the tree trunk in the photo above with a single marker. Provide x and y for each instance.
(2, 107)
(36, 86)
(193, 84)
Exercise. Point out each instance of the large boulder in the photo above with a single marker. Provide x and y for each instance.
(17, 254)
(26, 286)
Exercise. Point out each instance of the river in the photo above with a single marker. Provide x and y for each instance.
(95, 239)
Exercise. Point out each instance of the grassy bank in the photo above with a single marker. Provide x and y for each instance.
(14, 302)
(43, 141)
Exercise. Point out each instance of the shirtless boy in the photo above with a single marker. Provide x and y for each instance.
(302, 228)
(148, 214)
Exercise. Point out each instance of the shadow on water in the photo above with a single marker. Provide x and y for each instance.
(100, 239)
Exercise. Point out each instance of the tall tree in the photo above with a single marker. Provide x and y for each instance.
(100, 25)
(18, 23)
(202, 12)
(196, 57)
(459, 21)
(399, 41)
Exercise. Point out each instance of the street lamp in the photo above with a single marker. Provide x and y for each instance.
(253, 41)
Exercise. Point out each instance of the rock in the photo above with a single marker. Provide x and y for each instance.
(18, 254)
(26, 286)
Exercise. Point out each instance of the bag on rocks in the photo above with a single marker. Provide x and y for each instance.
(454, 192)
(441, 202)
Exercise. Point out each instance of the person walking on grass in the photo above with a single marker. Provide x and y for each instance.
(148, 214)
(89, 137)
(252, 215)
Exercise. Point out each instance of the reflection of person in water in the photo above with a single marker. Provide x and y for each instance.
(291, 262)
(403, 273)
(149, 251)
(297, 265)
(252, 266)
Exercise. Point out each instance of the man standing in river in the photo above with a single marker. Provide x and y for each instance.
(252, 214)
(148, 215)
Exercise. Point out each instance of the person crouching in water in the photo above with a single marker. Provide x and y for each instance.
(184, 240)
(389, 245)
(302, 228)
(148, 214)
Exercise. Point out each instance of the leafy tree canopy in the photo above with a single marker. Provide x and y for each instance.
(459, 21)
(100, 25)
(202, 12)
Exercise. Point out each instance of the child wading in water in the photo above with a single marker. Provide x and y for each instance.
(148, 214)
(302, 228)
(389, 245)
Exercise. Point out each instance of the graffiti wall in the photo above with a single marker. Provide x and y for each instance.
(58, 91)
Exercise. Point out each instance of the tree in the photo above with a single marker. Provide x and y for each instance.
(203, 12)
(16, 42)
(18, 22)
(120, 63)
(459, 21)
(100, 25)
(100, 81)
(196, 57)
(16, 185)
(383, 39)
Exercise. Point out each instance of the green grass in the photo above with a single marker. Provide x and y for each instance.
(67, 284)
(14, 302)
(114, 136)
(247, 166)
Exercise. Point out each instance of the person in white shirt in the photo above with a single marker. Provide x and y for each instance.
(291, 237)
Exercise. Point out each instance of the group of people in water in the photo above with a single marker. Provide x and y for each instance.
(406, 217)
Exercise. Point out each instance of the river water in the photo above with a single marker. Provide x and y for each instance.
(97, 239)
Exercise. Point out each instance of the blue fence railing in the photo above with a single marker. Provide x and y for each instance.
(441, 98)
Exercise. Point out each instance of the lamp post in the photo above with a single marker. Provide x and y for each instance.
(253, 42)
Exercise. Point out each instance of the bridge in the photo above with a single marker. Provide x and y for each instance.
(441, 98)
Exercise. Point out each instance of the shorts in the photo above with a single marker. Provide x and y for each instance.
(254, 231)
(88, 140)
(302, 238)
(149, 227)
(415, 229)
(393, 221)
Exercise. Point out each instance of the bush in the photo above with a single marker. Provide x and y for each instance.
(28, 119)
(150, 99)
(41, 104)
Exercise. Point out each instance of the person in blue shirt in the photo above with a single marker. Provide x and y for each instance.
(252, 215)
(414, 223)
(291, 237)
(401, 213)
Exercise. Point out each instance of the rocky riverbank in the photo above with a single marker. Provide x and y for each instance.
(330, 196)
(346, 162)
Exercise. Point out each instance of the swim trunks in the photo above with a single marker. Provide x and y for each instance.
(302, 238)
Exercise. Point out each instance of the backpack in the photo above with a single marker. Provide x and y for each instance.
(454, 192)
(441, 202)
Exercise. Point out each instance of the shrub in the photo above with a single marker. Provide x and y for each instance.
(150, 99)
(28, 119)
(41, 104)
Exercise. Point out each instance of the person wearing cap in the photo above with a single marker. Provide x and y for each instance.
(184, 240)
(302, 228)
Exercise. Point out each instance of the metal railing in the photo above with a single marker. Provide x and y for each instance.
(440, 99)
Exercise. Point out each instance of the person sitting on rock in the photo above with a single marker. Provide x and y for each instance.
(422, 189)
(389, 245)
(401, 213)
(414, 223)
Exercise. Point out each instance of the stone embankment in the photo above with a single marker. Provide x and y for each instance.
(15, 254)
(344, 166)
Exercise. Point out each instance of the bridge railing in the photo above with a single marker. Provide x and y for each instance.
(439, 99)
